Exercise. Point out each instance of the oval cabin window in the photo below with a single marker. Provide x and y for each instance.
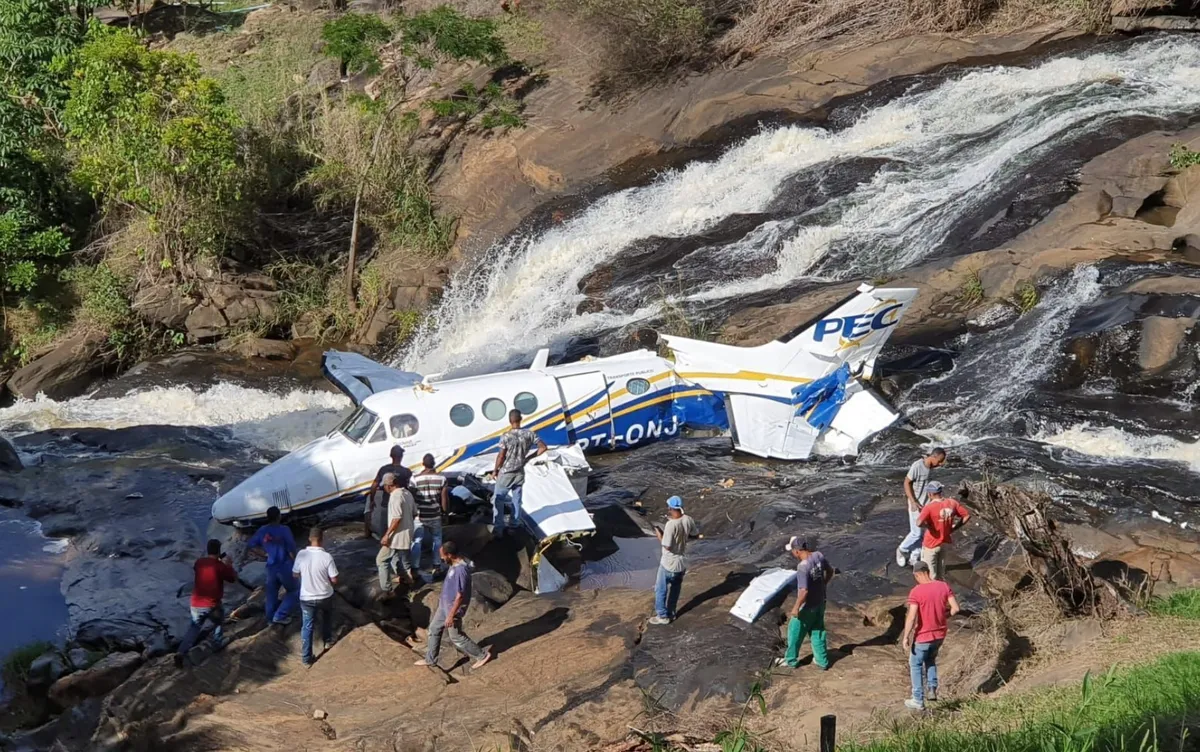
(637, 386)
(494, 409)
(526, 402)
(462, 415)
(405, 425)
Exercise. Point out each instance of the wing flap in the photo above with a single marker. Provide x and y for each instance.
(358, 377)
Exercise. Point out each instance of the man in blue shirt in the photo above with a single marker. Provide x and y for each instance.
(280, 545)
(452, 606)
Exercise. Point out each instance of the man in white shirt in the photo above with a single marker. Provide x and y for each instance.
(318, 574)
(396, 543)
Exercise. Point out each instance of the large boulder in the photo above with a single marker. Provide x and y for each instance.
(205, 323)
(1161, 338)
(10, 460)
(105, 676)
(64, 372)
(269, 349)
(163, 304)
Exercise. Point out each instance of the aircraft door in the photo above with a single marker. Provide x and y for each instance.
(586, 409)
(314, 483)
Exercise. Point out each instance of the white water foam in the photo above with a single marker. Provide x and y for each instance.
(1112, 443)
(261, 419)
(951, 142)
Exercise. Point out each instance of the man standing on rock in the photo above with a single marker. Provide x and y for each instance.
(915, 483)
(433, 498)
(807, 616)
(397, 541)
(452, 606)
(929, 604)
(673, 566)
(510, 470)
(403, 476)
(939, 518)
(318, 574)
(280, 545)
(208, 588)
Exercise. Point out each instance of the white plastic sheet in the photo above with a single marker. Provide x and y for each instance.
(549, 499)
(760, 591)
(549, 579)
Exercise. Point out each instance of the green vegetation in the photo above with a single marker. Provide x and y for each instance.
(1026, 298)
(354, 40)
(1182, 157)
(1182, 604)
(1147, 708)
(972, 290)
(16, 663)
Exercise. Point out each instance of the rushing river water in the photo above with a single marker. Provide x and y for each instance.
(956, 162)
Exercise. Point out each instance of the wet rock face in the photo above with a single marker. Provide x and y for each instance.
(103, 677)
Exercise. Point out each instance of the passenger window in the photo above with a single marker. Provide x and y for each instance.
(494, 409)
(379, 435)
(637, 386)
(526, 402)
(404, 426)
(462, 415)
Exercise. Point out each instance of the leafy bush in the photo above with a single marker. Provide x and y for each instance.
(354, 39)
(448, 33)
(153, 135)
(1182, 157)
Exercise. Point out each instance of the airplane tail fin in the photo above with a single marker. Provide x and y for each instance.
(760, 383)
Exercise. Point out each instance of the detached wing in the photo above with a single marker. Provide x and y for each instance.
(359, 377)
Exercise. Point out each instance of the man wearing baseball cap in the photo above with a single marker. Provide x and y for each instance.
(674, 537)
(929, 605)
(939, 518)
(807, 616)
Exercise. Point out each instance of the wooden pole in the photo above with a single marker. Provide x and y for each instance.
(828, 733)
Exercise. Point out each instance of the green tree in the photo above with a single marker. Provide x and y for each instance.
(153, 136)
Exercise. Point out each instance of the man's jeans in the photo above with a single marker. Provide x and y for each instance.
(666, 592)
(309, 611)
(913, 540)
(811, 621)
(437, 625)
(277, 578)
(508, 488)
(922, 664)
(427, 529)
(215, 614)
(390, 560)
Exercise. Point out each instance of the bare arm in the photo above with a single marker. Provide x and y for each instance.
(908, 491)
(392, 528)
(801, 596)
(541, 445)
(453, 610)
(372, 491)
(500, 460)
(910, 626)
(954, 609)
(445, 497)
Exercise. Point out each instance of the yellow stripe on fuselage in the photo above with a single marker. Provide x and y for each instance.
(745, 376)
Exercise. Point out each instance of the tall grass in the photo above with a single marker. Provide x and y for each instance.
(1148, 709)
(1183, 604)
(16, 663)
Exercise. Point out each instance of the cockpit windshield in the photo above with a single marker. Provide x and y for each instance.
(358, 425)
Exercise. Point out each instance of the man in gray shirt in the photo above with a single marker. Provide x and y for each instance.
(510, 470)
(673, 566)
(917, 493)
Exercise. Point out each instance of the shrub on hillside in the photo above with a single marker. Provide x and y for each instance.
(354, 39)
(152, 135)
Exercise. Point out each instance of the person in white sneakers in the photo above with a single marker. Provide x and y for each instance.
(915, 491)
(318, 574)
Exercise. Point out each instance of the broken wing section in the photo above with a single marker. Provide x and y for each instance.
(804, 392)
(359, 377)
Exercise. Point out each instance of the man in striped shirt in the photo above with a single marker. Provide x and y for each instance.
(432, 496)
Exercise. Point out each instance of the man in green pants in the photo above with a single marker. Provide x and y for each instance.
(808, 613)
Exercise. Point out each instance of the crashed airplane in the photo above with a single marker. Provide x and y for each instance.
(801, 394)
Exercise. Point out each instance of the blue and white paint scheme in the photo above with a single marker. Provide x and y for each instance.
(600, 405)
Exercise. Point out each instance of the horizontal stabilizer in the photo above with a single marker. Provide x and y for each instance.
(359, 377)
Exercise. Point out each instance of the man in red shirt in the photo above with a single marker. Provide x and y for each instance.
(212, 572)
(930, 603)
(939, 518)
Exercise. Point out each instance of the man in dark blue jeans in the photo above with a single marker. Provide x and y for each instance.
(318, 574)
(672, 567)
(280, 546)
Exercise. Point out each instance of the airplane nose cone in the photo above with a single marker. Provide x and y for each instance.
(227, 508)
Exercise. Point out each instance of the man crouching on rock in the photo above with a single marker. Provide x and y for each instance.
(452, 607)
(212, 572)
